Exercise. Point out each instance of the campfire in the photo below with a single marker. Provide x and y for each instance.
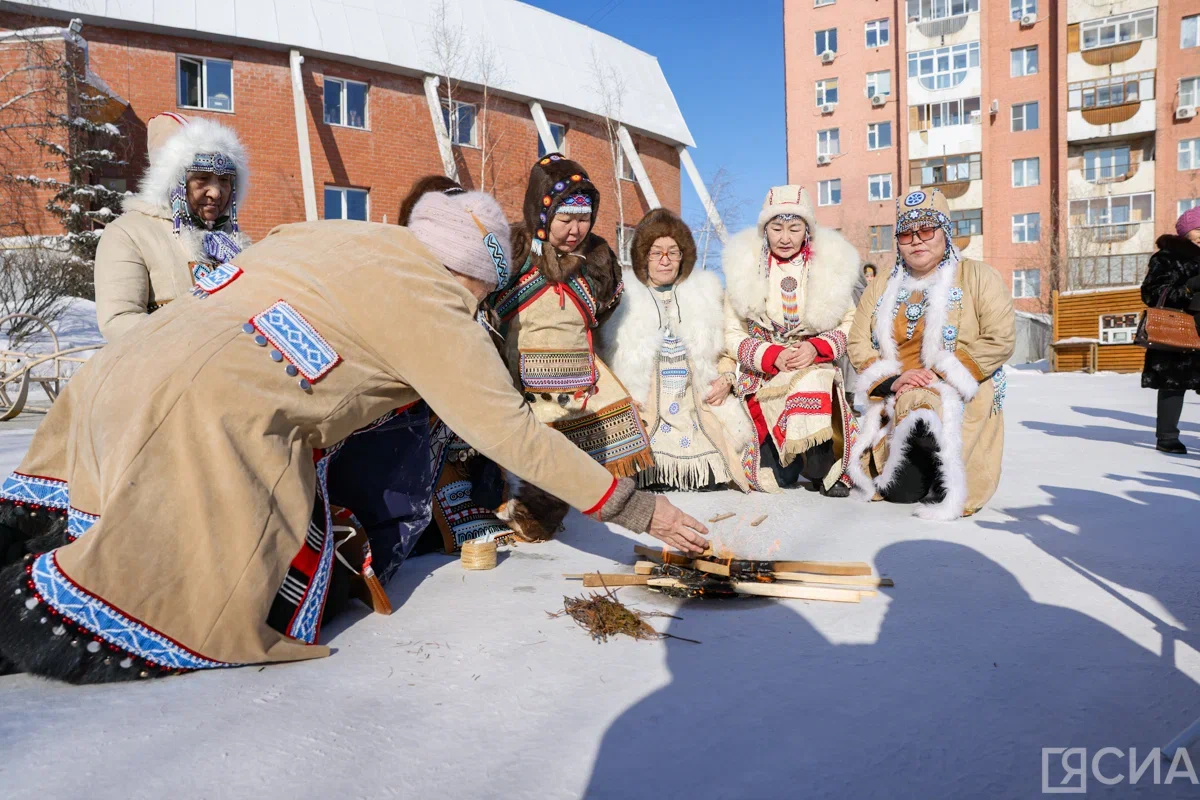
(726, 576)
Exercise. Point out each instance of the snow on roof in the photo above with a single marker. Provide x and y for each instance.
(1102, 290)
(545, 56)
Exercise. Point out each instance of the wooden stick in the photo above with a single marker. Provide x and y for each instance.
(595, 580)
(841, 580)
(795, 592)
(720, 517)
(758, 521)
(712, 568)
(643, 568)
(823, 567)
(662, 556)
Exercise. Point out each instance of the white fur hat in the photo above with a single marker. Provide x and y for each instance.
(468, 233)
(171, 156)
(790, 199)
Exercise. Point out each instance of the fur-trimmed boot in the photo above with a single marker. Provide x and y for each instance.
(26, 530)
(33, 638)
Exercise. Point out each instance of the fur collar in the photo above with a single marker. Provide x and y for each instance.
(833, 275)
(1181, 247)
(171, 161)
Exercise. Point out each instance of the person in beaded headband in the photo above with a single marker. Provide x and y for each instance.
(929, 344)
(182, 223)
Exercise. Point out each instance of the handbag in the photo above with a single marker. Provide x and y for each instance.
(1166, 329)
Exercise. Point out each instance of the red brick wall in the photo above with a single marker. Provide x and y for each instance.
(398, 147)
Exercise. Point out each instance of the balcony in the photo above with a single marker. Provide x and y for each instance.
(1100, 123)
(953, 175)
(1135, 177)
(1112, 225)
(923, 33)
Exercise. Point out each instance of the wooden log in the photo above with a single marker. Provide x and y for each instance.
(758, 521)
(643, 568)
(712, 567)
(660, 556)
(840, 580)
(596, 580)
(822, 567)
(794, 592)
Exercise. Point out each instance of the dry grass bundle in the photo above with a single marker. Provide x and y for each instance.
(603, 615)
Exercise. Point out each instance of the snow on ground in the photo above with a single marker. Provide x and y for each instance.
(1065, 615)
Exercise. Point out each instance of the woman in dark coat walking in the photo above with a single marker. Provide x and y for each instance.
(1175, 271)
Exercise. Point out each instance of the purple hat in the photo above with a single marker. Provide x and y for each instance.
(1188, 221)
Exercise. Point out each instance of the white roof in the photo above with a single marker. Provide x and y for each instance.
(545, 56)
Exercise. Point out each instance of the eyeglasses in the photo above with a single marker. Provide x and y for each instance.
(924, 233)
(674, 254)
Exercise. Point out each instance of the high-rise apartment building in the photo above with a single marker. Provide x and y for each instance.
(1063, 134)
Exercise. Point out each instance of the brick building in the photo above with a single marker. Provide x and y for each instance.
(1063, 133)
(340, 110)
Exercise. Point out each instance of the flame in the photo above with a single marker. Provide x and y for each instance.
(773, 549)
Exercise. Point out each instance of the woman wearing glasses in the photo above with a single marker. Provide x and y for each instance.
(790, 302)
(664, 342)
(929, 343)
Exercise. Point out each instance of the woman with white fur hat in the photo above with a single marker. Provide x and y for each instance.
(181, 224)
(173, 510)
(929, 344)
(789, 288)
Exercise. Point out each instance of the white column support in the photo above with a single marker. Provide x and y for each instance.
(685, 158)
(301, 110)
(543, 127)
(439, 127)
(639, 169)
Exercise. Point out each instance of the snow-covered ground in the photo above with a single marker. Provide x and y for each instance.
(1066, 615)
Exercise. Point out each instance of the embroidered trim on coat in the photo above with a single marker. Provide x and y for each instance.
(35, 491)
(558, 370)
(291, 334)
(217, 279)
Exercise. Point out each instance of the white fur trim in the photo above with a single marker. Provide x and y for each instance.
(954, 373)
(200, 135)
(745, 285)
(792, 199)
(872, 375)
(868, 435)
(736, 420)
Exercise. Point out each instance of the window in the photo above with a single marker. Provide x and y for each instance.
(878, 33)
(1024, 117)
(827, 142)
(826, 40)
(1127, 270)
(345, 203)
(882, 238)
(1187, 205)
(1027, 283)
(827, 92)
(558, 133)
(205, 83)
(829, 193)
(460, 124)
(1106, 163)
(927, 10)
(945, 169)
(1189, 154)
(1026, 228)
(1118, 30)
(879, 187)
(1024, 61)
(943, 67)
(1026, 172)
(942, 115)
(345, 103)
(967, 222)
(625, 243)
(1113, 218)
(1189, 32)
(1020, 8)
(879, 83)
(1114, 91)
(1189, 92)
(879, 135)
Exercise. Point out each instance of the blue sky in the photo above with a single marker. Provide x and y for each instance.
(724, 61)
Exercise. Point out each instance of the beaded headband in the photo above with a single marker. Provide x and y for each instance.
(496, 250)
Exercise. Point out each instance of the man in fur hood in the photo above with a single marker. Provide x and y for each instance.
(568, 283)
(790, 303)
(182, 223)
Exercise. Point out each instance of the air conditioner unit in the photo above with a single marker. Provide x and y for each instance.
(827, 57)
(827, 108)
(976, 117)
(823, 159)
(995, 109)
(877, 99)
(1185, 112)
(1028, 19)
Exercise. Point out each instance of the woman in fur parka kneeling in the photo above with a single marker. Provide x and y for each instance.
(664, 343)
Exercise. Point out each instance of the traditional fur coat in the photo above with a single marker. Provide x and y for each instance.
(143, 262)
(1176, 262)
(968, 334)
(806, 407)
(632, 340)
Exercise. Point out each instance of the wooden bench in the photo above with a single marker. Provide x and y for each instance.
(1092, 346)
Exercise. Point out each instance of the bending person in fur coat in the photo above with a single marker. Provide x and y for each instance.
(929, 344)
(789, 305)
(180, 225)
(567, 284)
(664, 343)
